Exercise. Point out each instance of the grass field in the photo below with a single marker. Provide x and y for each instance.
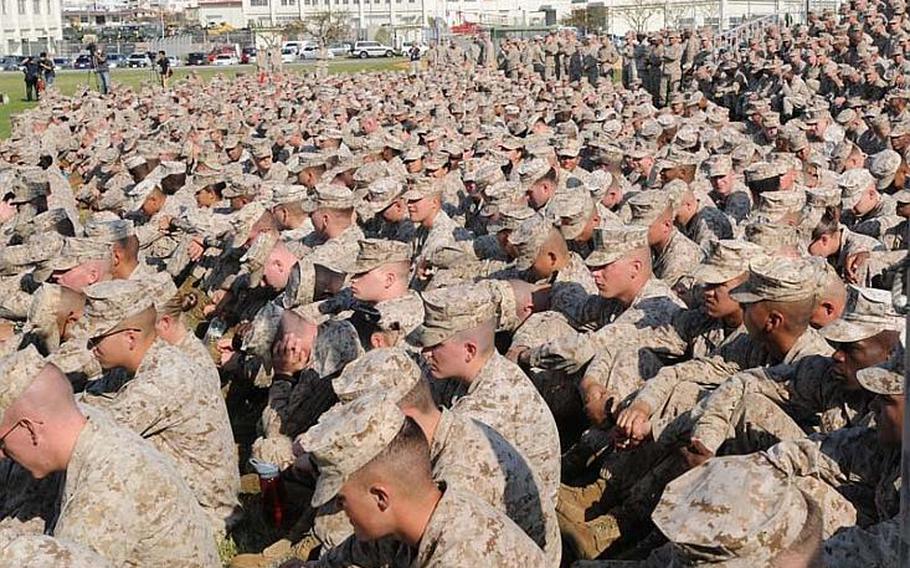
(68, 82)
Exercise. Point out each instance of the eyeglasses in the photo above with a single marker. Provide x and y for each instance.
(8, 432)
(95, 341)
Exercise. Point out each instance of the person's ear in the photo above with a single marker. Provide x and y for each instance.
(551, 258)
(470, 351)
(774, 321)
(116, 257)
(380, 496)
(377, 341)
(94, 275)
(828, 307)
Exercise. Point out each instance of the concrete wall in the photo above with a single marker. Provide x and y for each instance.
(30, 26)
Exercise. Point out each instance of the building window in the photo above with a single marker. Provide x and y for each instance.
(21, 7)
(36, 6)
(259, 2)
(3, 7)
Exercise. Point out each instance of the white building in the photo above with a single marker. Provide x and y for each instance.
(30, 26)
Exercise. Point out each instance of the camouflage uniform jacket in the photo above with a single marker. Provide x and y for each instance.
(737, 352)
(708, 224)
(39, 551)
(504, 398)
(673, 264)
(463, 532)
(854, 462)
(654, 306)
(183, 418)
(472, 457)
(126, 502)
(713, 418)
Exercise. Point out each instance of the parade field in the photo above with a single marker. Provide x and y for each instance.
(70, 82)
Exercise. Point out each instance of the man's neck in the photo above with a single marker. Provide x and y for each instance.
(144, 347)
(124, 270)
(417, 515)
(477, 368)
(780, 344)
(628, 296)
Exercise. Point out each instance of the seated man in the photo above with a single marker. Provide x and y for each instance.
(160, 400)
(129, 506)
(457, 338)
(377, 468)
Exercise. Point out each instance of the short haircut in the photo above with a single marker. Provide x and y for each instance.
(405, 461)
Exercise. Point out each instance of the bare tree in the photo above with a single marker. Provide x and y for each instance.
(324, 27)
(639, 13)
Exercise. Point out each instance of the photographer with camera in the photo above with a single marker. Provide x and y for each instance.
(101, 67)
(164, 68)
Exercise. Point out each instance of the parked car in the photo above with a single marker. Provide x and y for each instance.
(312, 52)
(225, 59)
(115, 60)
(9, 64)
(175, 61)
(222, 50)
(364, 49)
(406, 48)
(248, 55)
(288, 54)
(63, 63)
(84, 61)
(197, 58)
(137, 59)
(340, 49)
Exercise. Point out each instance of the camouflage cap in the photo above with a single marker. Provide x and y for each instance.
(243, 221)
(868, 312)
(435, 161)
(374, 253)
(900, 128)
(884, 166)
(29, 185)
(15, 259)
(613, 241)
(42, 314)
(530, 171)
(488, 174)
(761, 171)
(390, 371)
(333, 196)
(109, 303)
(299, 162)
(569, 148)
(528, 237)
(109, 231)
(509, 216)
(261, 149)
(77, 250)
(735, 511)
(420, 187)
(382, 192)
(726, 259)
(257, 256)
(346, 440)
(413, 153)
(779, 280)
(886, 378)
(245, 185)
(285, 193)
(853, 183)
(448, 311)
(902, 196)
(135, 196)
(777, 204)
(823, 196)
(161, 288)
(720, 165)
(647, 206)
(18, 370)
(574, 208)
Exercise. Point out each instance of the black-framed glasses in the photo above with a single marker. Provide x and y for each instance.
(8, 432)
(95, 341)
